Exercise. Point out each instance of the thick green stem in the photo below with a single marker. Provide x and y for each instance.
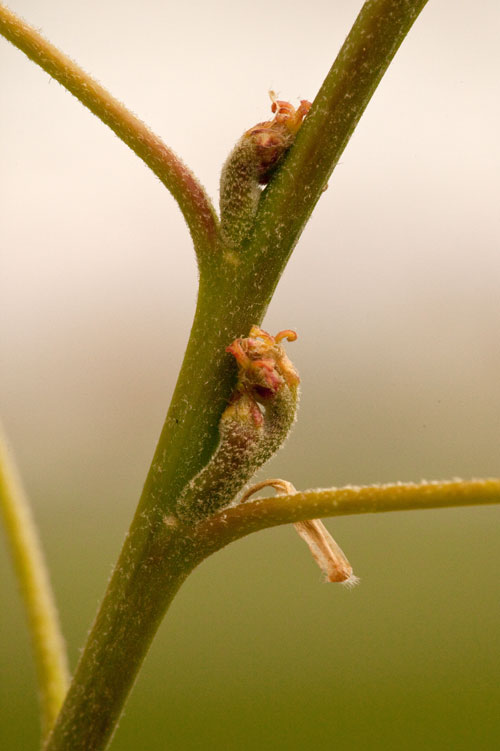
(235, 289)
(34, 583)
(180, 181)
(292, 194)
(155, 560)
(158, 555)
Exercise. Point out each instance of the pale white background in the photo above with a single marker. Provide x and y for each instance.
(393, 288)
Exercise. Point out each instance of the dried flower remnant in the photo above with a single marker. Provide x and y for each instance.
(272, 138)
(263, 365)
(325, 551)
(249, 435)
(251, 165)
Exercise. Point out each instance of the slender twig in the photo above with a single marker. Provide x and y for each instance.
(291, 196)
(249, 517)
(180, 181)
(29, 565)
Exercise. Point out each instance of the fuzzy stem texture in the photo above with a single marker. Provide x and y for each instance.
(36, 592)
(236, 286)
(156, 558)
(239, 521)
(293, 192)
(248, 438)
(251, 164)
(158, 555)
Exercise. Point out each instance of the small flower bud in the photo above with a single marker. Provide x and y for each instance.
(251, 164)
(248, 436)
(241, 430)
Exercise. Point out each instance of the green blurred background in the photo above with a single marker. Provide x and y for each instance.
(394, 292)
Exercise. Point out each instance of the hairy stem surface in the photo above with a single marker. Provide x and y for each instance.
(246, 518)
(159, 554)
(156, 558)
(292, 194)
(236, 286)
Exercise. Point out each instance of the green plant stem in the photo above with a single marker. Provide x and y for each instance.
(242, 520)
(48, 645)
(155, 560)
(180, 181)
(292, 194)
(159, 554)
(235, 289)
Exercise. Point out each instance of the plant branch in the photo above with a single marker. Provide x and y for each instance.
(48, 645)
(161, 552)
(155, 560)
(292, 194)
(180, 181)
(239, 521)
(235, 290)
(235, 295)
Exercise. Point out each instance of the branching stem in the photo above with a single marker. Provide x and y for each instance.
(251, 516)
(180, 181)
(158, 555)
(235, 290)
(236, 286)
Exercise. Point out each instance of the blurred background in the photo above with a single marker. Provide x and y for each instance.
(393, 290)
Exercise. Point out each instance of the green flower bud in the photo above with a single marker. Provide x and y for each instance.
(249, 436)
(251, 164)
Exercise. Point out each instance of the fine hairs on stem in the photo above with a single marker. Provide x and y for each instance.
(223, 422)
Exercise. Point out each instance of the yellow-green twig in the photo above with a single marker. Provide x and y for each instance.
(241, 520)
(29, 564)
(180, 181)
